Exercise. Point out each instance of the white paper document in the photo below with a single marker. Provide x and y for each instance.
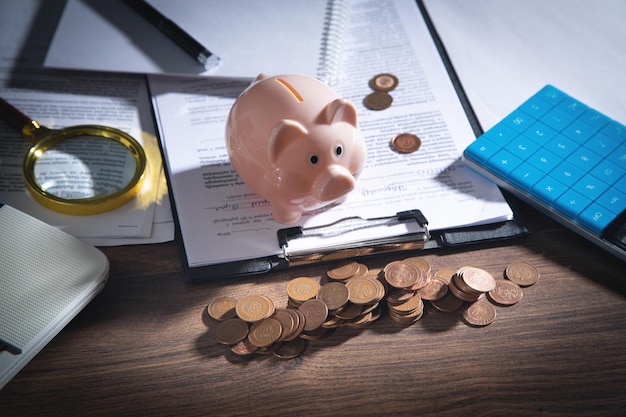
(222, 220)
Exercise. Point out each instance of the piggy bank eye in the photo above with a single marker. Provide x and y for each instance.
(314, 159)
(338, 150)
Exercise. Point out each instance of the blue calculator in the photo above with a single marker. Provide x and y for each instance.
(564, 158)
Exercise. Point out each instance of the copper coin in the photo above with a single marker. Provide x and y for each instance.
(378, 100)
(522, 274)
(244, 347)
(231, 331)
(334, 294)
(406, 143)
(291, 349)
(315, 313)
(287, 322)
(222, 308)
(434, 290)
(448, 303)
(401, 274)
(479, 313)
(477, 279)
(265, 332)
(343, 271)
(384, 82)
(506, 293)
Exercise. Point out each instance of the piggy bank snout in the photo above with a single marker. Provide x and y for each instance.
(335, 182)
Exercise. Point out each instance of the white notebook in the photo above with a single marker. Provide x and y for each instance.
(46, 278)
(282, 36)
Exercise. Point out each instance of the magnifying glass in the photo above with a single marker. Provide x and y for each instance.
(86, 169)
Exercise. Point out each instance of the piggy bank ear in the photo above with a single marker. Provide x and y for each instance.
(339, 110)
(286, 132)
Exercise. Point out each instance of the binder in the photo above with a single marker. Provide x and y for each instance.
(420, 238)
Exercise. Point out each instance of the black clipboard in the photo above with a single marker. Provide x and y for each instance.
(422, 239)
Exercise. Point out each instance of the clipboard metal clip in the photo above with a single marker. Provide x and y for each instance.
(416, 238)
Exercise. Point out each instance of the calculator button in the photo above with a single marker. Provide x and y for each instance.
(572, 107)
(595, 218)
(618, 156)
(594, 118)
(601, 144)
(525, 176)
(504, 162)
(557, 120)
(544, 160)
(615, 130)
(561, 146)
(550, 94)
(584, 159)
(500, 134)
(548, 189)
(572, 203)
(590, 186)
(522, 147)
(518, 121)
(481, 149)
(613, 200)
(607, 172)
(539, 132)
(535, 107)
(578, 131)
(567, 173)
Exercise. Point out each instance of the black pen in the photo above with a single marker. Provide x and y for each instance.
(175, 33)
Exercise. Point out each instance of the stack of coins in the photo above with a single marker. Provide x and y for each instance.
(380, 99)
(352, 296)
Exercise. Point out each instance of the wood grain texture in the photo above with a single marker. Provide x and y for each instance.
(145, 346)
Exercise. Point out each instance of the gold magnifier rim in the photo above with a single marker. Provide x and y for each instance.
(90, 205)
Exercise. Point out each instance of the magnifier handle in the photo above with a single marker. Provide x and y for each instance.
(14, 117)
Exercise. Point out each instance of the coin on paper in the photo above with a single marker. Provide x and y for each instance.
(384, 82)
(406, 143)
(378, 100)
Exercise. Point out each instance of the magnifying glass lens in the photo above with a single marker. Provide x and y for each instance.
(84, 167)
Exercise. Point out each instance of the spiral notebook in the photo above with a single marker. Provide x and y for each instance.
(284, 36)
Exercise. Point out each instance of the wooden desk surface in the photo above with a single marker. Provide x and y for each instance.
(144, 346)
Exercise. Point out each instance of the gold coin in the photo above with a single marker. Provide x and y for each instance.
(343, 271)
(378, 100)
(223, 308)
(408, 306)
(401, 274)
(265, 332)
(522, 274)
(384, 82)
(231, 331)
(334, 294)
(254, 308)
(479, 313)
(406, 142)
(302, 289)
(291, 349)
(315, 314)
(506, 293)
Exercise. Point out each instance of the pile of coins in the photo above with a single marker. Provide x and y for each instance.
(380, 99)
(355, 296)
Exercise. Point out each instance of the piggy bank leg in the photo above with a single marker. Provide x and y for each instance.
(286, 214)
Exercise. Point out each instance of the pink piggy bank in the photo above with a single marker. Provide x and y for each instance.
(294, 142)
